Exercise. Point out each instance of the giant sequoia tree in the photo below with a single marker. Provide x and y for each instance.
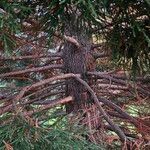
(57, 58)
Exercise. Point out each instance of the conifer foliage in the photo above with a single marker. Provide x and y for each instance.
(74, 74)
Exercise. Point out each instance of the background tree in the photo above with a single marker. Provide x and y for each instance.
(56, 53)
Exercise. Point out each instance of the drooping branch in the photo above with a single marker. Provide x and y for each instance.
(139, 123)
(118, 109)
(106, 117)
(70, 75)
(126, 133)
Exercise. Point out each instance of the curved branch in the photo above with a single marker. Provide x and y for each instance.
(118, 109)
(106, 117)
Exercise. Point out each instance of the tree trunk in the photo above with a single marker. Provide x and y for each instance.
(76, 60)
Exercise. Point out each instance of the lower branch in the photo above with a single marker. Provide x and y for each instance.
(106, 117)
(52, 104)
(68, 99)
(118, 109)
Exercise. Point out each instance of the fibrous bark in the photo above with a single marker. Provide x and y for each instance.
(78, 60)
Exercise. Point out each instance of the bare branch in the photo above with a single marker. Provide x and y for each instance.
(40, 100)
(115, 87)
(118, 109)
(106, 117)
(5, 109)
(33, 86)
(44, 90)
(30, 70)
(119, 81)
(52, 104)
(137, 78)
(43, 82)
(126, 133)
(108, 77)
(2, 11)
(31, 56)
